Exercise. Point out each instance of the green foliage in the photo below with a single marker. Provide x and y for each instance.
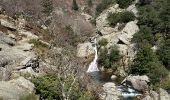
(164, 53)
(47, 6)
(29, 97)
(49, 88)
(124, 3)
(114, 55)
(145, 34)
(107, 59)
(103, 59)
(121, 17)
(103, 42)
(146, 63)
(103, 5)
(39, 46)
(144, 2)
(74, 5)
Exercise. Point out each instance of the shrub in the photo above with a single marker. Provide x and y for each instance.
(103, 5)
(29, 97)
(49, 88)
(74, 5)
(146, 63)
(47, 6)
(114, 55)
(124, 3)
(39, 46)
(165, 54)
(107, 59)
(121, 17)
(103, 42)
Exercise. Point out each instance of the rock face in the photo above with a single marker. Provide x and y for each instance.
(15, 50)
(163, 95)
(110, 92)
(14, 89)
(120, 38)
(139, 83)
(85, 49)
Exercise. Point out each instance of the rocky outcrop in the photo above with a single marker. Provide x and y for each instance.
(110, 92)
(85, 49)
(15, 49)
(163, 95)
(139, 83)
(14, 89)
(120, 38)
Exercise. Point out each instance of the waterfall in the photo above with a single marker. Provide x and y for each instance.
(93, 65)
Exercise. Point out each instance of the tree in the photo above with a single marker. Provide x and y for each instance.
(124, 3)
(74, 5)
(165, 54)
(146, 63)
(121, 17)
(103, 5)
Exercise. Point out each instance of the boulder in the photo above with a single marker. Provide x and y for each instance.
(128, 31)
(30, 61)
(85, 49)
(113, 77)
(154, 95)
(139, 83)
(163, 95)
(8, 23)
(14, 89)
(110, 92)
(4, 74)
(6, 40)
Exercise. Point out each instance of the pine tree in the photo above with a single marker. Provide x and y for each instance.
(74, 5)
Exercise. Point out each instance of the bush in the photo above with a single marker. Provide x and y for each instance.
(74, 5)
(103, 42)
(146, 63)
(145, 34)
(121, 17)
(114, 55)
(49, 88)
(124, 3)
(47, 6)
(165, 54)
(29, 97)
(107, 59)
(103, 5)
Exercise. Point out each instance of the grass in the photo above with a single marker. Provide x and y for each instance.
(39, 46)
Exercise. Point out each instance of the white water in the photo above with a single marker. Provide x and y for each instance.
(126, 92)
(93, 65)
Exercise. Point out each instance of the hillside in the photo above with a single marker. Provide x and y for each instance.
(84, 50)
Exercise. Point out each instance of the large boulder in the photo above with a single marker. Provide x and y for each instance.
(128, 31)
(110, 92)
(85, 49)
(139, 83)
(15, 89)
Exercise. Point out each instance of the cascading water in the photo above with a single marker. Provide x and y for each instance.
(93, 65)
(96, 75)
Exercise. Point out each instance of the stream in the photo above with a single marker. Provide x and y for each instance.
(102, 77)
